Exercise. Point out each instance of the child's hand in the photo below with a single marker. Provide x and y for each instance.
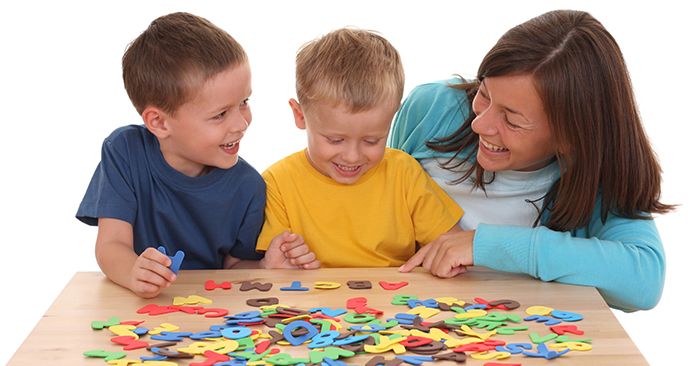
(150, 273)
(446, 256)
(288, 250)
(298, 253)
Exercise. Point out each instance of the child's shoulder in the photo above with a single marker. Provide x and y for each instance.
(400, 163)
(291, 163)
(400, 158)
(128, 134)
(247, 171)
(127, 131)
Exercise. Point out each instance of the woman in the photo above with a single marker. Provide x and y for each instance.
(550, 163)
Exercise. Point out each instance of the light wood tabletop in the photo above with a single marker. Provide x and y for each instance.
(64, 333)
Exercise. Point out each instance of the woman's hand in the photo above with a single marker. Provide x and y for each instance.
(447, 256)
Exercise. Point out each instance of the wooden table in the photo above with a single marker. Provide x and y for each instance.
(64, 332)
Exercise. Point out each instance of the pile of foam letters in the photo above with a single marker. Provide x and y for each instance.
(330, 336)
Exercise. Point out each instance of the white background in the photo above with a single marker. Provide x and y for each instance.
(61, 94)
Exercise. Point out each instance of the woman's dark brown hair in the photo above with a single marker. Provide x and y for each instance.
(580, 74)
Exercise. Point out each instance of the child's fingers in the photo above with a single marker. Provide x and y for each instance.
(142, 272)
(154, 255)
(150, 261)
(292, 241)
(146, 283)
(153, 278)
(297, 251)
(145, 289)
(303, 259)
(287, 236)
(149, 291)
(284, 238)
(315, 264)
(285, 241)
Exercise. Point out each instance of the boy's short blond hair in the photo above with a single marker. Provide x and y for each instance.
(355, 68)
(173, 57)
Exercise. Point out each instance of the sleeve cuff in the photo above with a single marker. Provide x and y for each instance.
(505, 248)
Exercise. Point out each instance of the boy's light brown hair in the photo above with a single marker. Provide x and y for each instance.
(173, 57)
(355, 68)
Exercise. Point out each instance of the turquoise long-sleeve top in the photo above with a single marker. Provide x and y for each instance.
(623, 258)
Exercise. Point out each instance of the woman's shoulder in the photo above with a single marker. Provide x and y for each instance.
(432, 110)
(439, 92)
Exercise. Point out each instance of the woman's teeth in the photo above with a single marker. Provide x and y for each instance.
(493, 148)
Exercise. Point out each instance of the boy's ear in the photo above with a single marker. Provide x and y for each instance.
(156, 121)
(297, 113)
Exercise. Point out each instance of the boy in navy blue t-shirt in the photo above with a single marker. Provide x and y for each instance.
(178, 181)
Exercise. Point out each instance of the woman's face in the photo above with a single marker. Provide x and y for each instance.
(512, 125)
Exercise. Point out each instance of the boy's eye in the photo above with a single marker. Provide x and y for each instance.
(220, 115)
(372, 142)
(333, 140)
(245, 102)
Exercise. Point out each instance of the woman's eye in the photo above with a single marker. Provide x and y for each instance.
(480, 103)
(511, 125)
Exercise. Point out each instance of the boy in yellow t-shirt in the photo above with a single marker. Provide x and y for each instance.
(355, 202)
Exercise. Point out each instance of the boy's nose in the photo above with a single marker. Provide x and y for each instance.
(239, 124)
(351, 154)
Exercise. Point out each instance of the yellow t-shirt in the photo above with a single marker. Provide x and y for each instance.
(375, 222)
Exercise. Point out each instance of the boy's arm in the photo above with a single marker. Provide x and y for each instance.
(284, 249)
(145, 275)
(432, 210)
(275, 214)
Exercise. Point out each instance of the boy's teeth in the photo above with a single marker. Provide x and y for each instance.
(343, 167)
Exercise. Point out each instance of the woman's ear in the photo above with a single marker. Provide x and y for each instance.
(156, 122)
(297, 113)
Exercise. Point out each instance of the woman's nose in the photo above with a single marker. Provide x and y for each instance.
(485, 123)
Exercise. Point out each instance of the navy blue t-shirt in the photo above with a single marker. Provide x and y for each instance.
(207, 217)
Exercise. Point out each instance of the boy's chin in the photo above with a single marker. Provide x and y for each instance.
(347, 180)
(228, 164)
